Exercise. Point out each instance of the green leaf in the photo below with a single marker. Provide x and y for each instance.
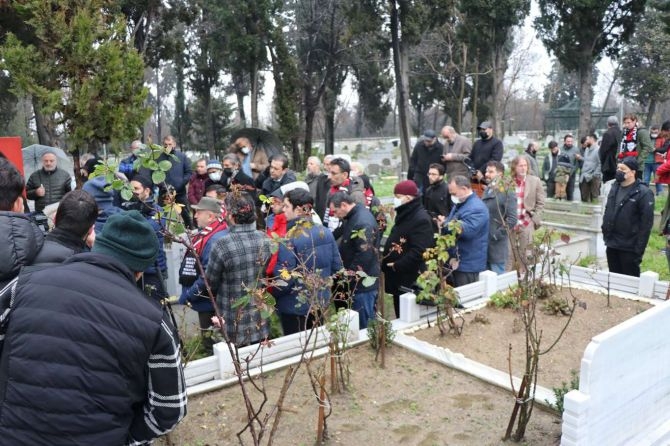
(165, 165)
(158, 176)
(126, 194)
(241, 302)
(266, 314)
(369, 281)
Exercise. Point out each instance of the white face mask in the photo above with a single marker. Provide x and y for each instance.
(215, 176)
(397, 202)
(245, 150)
(455, 199)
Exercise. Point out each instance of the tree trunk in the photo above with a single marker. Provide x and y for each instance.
(475, 98)
(239, 94)
(209, 118)
(461, 94)
(329, 106)
(180, 103)
(254, 95)
(310, 112)
(585, 97)
(401, 70)
(358, 126)
(44, 134)
(158, 107)
(650, 113)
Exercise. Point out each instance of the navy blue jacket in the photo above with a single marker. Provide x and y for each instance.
(314, 248)
(357, 246)
(472, 243)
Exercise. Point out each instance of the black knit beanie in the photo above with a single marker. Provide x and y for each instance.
(128, 237)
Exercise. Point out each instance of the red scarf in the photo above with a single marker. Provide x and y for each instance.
(201, 238)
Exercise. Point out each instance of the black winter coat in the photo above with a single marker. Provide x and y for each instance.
(73, 368)
(20, 242)
(437, 200)
(414, 226)
(422, 157)
(60, 245)
(627, 227)
(357, 245)
(484, 151)
(608, 150)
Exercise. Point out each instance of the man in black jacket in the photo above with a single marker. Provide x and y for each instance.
(436, 198)
(627, 220)
(486, 148)
(20, 238)
(609, 148)
(427, 151)
(357, 248)
(85, 357)
(74, 228)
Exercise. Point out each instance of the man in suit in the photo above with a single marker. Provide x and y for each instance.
(529, 205)
(457, 149)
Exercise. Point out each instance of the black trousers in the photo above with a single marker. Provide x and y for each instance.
(623, 262)
(570, 191)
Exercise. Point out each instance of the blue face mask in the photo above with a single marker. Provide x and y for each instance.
(397, 202)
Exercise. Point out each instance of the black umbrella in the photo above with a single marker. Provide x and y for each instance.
(260, 140)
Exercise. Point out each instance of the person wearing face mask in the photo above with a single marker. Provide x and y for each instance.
(253, 160)
(214, 174)
(627, 220)
(530, 198)
(486, 148)
(234, 176)
(468, 257)
(589, 179)
(411, 235)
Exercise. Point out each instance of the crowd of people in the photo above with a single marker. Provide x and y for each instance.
(103, 264)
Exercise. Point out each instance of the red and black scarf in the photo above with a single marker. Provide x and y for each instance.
(628, 143)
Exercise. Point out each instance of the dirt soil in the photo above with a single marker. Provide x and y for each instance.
(414, 401)
(488, 342)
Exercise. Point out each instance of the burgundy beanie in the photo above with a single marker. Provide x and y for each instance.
(407, 187)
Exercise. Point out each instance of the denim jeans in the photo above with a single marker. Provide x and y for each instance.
(649, 169)
(498, 268)
(364, 303)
